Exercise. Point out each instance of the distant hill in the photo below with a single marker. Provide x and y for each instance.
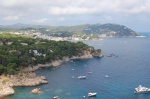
(101, 30)
(111, 30)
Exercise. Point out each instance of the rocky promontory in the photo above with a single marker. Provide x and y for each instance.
(86, 54)
(22, 79)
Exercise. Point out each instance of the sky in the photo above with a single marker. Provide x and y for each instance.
(134, 14)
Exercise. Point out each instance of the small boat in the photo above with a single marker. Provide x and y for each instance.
(56, 97)
(92, 94)
(141, 89)
(106, 76)
(89, 72)
(82, 77)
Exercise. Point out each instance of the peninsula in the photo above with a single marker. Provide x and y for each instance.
(21, 55)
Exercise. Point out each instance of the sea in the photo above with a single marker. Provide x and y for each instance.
(125, 66)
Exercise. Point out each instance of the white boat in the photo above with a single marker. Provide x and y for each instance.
(106, 76)
(89, 72)
(141, 89)
(82, 77)
(56, 97)
(92, 94)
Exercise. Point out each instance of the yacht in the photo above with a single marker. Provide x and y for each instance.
(82, 77)
(92, 94)
(141, 89)
(89, 72)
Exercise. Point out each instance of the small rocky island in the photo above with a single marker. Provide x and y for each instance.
(20, 56)
(36, 91)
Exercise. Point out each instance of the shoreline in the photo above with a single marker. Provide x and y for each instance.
(27, 77)
(7, 82)
(56, 63)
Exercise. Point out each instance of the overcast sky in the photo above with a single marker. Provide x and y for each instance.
(134, 14)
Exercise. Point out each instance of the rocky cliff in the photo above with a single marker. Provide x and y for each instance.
(86, 54)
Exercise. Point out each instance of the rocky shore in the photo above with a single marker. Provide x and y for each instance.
(29, 78)
(22, 79)
(84, 55)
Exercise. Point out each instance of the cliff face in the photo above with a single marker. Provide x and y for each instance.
(89, 53)
(97, 53)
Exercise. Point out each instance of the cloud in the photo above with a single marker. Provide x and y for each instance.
(73, 11)
(11, 18)
(69, 7)
(69, 10)
(77, 7)
(100, 6)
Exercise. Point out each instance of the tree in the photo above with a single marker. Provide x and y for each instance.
(2, 69)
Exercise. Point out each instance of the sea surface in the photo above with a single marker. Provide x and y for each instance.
(126, 62)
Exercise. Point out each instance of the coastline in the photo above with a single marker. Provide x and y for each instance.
(27, 77)
(55, 63)
(7, 82)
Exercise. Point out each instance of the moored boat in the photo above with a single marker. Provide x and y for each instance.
(82, 77)
(141, 89)
(92, 94)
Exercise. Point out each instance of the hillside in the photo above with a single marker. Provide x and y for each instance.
(84, 31)
(114, 30)
(21, 51)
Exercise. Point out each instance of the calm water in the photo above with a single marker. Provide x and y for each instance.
(129, 67)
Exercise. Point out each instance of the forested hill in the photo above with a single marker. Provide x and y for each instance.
(17, 51)
(114, 30)
(99, 30)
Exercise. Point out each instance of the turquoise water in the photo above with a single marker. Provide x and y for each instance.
(129, 67)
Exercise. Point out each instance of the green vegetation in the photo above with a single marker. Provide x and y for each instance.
(84, 31)
(21, 51)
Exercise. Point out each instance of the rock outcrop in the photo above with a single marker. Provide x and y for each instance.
(36, 91)
(22, 79)
(97, 53)
(6, 90)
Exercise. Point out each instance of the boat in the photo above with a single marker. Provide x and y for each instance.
(56, 97)
(141, 89)
(92, 94)
(106, 76)
(89, 72)
(82, 77)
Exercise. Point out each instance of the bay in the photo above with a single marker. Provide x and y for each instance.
(128, 67)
